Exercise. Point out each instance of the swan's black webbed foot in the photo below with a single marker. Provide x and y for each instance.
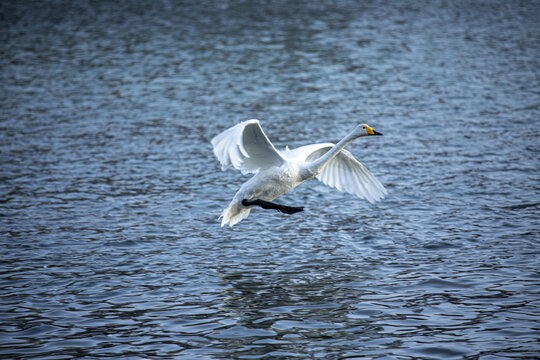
(270, 205)
(289, 209)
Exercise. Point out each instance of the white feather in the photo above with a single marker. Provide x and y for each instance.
(343, 172)
(246, 147)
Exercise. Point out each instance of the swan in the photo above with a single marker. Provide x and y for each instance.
(246, 147)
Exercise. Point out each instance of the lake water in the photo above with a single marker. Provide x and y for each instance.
(110, 195)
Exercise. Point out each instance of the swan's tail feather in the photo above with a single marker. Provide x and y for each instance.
(234, 214)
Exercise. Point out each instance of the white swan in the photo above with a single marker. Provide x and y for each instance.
(247, 148)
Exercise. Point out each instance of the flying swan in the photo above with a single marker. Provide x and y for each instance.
(247, 148)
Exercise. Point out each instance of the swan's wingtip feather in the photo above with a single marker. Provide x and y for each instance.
(246, 147)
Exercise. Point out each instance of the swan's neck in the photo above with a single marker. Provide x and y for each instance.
(315, 167)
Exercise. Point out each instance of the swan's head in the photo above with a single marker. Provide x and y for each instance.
(364, 130)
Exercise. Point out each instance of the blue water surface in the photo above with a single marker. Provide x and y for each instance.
(110, 195)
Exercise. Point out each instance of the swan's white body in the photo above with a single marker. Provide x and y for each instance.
(247, 148)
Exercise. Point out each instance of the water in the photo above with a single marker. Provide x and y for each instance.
(110, 194)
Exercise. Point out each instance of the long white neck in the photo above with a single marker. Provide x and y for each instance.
(315, 167)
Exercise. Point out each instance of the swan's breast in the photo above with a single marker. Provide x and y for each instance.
(274, 182)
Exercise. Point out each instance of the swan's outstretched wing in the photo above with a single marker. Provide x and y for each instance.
(246, 147)
(343, 172)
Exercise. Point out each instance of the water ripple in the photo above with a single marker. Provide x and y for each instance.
(110, 194)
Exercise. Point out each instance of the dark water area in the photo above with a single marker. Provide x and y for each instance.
(110, 195)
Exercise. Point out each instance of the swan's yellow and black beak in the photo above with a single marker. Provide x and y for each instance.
(370, 131)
